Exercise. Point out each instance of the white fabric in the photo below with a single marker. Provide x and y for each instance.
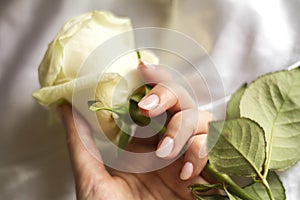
(244, 38)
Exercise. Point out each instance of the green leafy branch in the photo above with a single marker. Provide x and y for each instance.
(260, 134)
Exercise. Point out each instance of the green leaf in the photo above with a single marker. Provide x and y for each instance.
(213, 197)
(233, 106)
(273, 101)
(140, 93)
(230, 196)
(137, 97)
(240, 147)
(258, 190)
(197, 189)
(204, 187)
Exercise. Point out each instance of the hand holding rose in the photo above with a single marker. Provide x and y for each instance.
(94, 182)
(186, 127)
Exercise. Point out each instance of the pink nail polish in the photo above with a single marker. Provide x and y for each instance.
(149, 102)
(187, 171)
(165, 148)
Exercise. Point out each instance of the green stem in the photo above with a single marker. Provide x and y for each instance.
(155, 125)
(230, 184)
(265, 174)
(266, 185)
(138, 55)
(264, 182)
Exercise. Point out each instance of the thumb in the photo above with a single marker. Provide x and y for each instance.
(85, 157)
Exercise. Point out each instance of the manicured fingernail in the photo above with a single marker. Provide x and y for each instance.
(149, 102)
(165, 148)
(203, 150)
(146, 64)
(186, 171)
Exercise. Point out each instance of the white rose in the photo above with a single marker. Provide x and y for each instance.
(58, 71)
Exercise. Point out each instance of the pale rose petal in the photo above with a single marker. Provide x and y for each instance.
(66, 54)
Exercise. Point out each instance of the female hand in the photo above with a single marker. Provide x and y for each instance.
(92, 179)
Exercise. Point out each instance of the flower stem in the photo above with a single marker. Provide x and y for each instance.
(229, 183)
(138, 55)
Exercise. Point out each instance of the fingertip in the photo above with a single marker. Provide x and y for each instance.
(149, 102)
(196, 154)
(165, 148)
(146, 65)
(153, 74)
(192, 168)
(187, 171)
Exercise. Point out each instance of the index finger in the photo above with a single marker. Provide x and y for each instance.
(165, 95)
(153, 74)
